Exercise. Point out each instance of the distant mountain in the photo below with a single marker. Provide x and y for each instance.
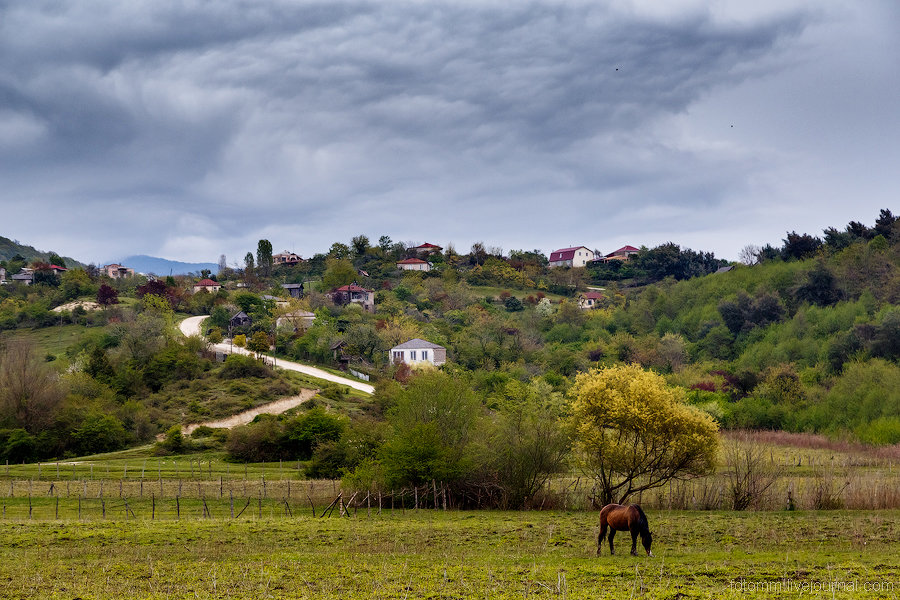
(9, 248)
(161, 266)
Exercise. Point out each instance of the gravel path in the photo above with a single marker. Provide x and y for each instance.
(191, 326)
(242, 418)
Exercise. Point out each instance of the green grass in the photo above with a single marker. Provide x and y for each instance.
(135, 464)
(494, 292)
(436, 554)
(56, 340)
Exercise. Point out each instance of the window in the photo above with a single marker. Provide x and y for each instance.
(424, 354)
(398, 355)
(412, 355)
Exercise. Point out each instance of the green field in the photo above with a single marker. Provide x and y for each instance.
(437, 554)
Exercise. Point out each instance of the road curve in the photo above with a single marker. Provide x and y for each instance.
(191, 326)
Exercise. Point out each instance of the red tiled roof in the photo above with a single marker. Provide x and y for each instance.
(426, 245)
(58, 268)
(351, 288)
(412, 261)
(623, 250)
(593, 295)
(565, 253)
(208, 283)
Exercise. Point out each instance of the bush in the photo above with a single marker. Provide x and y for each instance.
(100, 433)
(238, 366)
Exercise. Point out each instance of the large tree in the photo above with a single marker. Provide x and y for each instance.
(433, 431)
(30, 393)
(264, 257)
(633, 432)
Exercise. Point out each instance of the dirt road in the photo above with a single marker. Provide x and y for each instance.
(242, 418)
(191, 326)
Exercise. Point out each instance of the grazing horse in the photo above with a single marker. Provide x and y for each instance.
(618, 517)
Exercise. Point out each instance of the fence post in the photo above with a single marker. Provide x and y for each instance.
(153, 507)
(177, 507)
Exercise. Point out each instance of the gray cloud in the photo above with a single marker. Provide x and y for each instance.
(195, 129)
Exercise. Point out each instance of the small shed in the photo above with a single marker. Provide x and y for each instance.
(241, 319)
(294, 289)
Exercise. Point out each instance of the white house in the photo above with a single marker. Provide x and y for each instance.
(417, 351)
(577, 256)
(414, 264)
(590, 300)
(207, 284)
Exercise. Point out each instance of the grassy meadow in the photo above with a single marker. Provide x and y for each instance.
(438, 554)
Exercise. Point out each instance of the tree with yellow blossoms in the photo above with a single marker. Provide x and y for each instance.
(633, 432)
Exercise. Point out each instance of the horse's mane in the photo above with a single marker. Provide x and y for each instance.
(644, 523)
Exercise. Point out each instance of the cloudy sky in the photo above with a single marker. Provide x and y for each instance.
(189, 129)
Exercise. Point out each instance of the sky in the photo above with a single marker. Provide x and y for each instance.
(189, 129)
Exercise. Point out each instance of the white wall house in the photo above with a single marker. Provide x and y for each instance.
(417, 351)
(571, 257)
(414, 264)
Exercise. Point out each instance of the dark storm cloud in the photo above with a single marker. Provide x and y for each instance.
(309, 122)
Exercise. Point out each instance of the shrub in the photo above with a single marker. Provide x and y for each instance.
(238, 366)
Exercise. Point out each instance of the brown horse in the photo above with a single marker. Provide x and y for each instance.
(618, 517)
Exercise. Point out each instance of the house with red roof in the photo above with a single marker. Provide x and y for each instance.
(590, 299)
(355, 294)
(414, 264)
(207, 284)
(427, 248)
(577, 256)
(623, 253)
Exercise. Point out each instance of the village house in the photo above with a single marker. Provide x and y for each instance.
(294, 289)
(355, 294)
(427, 249)
(418, 351)
(299, 320)
(414, 264)
(116, 271)
(623, 253)
(278, 300)
(207, 284)
(577, 256)
(24, 277)
(590, 299)
(286, 258)
(241, 319)
(2, 276)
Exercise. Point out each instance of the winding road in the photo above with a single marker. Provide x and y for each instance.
(191, 326)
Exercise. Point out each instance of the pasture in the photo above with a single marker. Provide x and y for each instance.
(451, 554)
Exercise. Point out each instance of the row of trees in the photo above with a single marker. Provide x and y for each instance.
(624, 427)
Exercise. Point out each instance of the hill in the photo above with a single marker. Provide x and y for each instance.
(9, 248)
(142, 263)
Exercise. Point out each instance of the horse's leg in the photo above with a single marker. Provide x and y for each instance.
(612, 534)
(634, 534)
(600, 537)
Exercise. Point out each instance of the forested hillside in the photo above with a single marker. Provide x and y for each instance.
(804, 337)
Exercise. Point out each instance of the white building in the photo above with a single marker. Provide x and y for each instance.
(577, 256)
(417, 351)
(414, 264)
